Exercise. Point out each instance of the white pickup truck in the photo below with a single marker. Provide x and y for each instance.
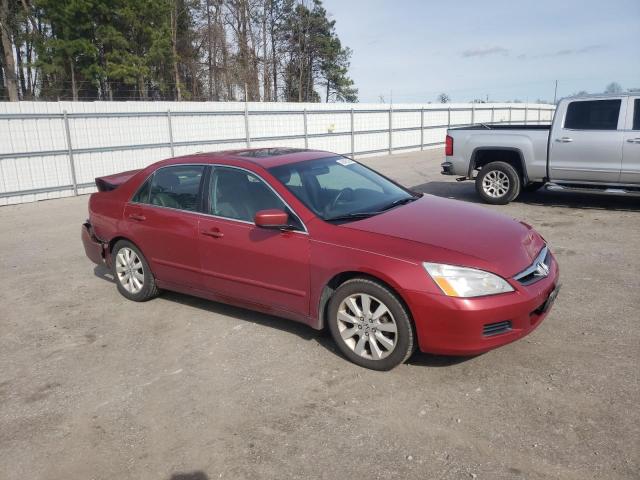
(593, 144)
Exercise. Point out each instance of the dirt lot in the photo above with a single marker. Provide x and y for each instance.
(95, 387)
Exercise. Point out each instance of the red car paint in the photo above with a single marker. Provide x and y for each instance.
(289, 273)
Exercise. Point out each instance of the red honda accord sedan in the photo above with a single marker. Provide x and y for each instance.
(321, 239)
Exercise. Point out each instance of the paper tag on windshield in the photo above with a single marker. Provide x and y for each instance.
(345, 161)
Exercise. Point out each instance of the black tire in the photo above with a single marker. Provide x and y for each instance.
(533, 187)
(149, 289)
(508, 174)
(404, 337)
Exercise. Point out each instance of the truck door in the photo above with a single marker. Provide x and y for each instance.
(631, 146)
(586, 143)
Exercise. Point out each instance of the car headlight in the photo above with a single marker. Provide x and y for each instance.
(466, 282)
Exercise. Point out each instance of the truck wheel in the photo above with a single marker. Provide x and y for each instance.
(498, 183)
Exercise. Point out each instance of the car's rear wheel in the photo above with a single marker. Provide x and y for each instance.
(498, 183)
(132, 273)
(370, 325)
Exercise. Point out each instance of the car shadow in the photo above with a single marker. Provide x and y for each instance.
(101, 271)
(197, 475)
(544, 198)
(322, 337)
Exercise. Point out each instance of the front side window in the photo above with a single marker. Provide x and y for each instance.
(337, 188)
(177, 187)
(593, 115)
(237, 194)
(636, 114)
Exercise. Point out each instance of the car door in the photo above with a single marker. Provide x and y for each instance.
(249, 263)
(587, 144)
(630, 172)
(162, 219)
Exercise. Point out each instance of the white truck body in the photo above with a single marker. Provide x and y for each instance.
(593, 144)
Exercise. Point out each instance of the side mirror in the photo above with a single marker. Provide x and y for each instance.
(271, 219)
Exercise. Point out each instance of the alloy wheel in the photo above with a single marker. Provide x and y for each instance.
(129, 270)
(496, 184)
(367, 326)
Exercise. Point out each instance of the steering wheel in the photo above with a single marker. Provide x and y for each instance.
(339, 196)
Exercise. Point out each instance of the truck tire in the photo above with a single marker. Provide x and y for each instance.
(498, 183)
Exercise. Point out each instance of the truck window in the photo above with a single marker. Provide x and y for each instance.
(636, 114)
(593, 115)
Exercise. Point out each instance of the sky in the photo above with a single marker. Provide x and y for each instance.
(413, 50)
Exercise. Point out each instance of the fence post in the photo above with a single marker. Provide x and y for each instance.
(492, 113)
(170, 126)
(422, 128)
(473, 113)
(510, 114)
(539, 111)
(72, 164)
(390, 129)
(306, 131)
(353, 143)
(526, 113)
(246, 124)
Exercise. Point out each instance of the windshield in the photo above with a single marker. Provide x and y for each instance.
(339, 189)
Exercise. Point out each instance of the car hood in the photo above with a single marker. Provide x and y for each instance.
(462, 234)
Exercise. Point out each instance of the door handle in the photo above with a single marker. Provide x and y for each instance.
(138, 217)
(564, 139)
(213, 233)
(633, 140)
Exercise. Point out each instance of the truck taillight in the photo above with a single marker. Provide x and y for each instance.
(448, 150)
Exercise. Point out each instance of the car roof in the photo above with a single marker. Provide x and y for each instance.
(593, 96)
(263, 157)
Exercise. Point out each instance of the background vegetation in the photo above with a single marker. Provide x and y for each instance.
(218, 50)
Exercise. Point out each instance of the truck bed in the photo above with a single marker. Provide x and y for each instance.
(489, 126)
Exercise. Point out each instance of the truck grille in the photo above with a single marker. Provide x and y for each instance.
(538, 270)
(491, 329)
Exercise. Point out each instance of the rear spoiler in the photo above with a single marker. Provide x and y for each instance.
(111, 182)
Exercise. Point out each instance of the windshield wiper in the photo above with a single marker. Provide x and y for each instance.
(352, 216)
(400, 201)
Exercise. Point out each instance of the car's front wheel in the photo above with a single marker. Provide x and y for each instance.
(370, 325)
(498, 183)
(132, 273)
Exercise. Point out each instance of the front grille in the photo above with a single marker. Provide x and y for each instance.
(538, 270)
(491, 329)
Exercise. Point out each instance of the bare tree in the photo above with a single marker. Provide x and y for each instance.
(7, 50)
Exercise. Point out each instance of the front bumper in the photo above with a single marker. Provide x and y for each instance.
(459, 326)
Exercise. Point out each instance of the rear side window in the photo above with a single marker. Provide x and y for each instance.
(142, 195)
(593, 115)
(177, 187)
(636, 114)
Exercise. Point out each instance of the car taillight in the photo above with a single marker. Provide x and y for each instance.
(448, 151)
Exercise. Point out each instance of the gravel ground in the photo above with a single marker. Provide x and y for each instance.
(95, 387)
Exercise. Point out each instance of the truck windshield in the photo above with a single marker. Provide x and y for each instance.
(339, 189)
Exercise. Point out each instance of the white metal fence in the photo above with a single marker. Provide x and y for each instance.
(51, 150)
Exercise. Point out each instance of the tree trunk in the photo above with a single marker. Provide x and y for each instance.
(7, 48)
(274, 64)
(174, 49)
(266, 82)
(74, 88)
(209, 50)
(20, 67)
